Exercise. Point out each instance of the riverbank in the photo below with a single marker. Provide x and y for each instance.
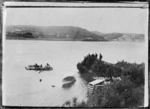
(127, 92)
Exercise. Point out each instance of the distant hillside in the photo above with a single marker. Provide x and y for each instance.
(52, 33)
(70, 33)
(129, 37)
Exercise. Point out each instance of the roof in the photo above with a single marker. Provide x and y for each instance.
(96, 81)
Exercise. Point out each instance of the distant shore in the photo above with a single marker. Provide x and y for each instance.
(54, 39)
(67, 33)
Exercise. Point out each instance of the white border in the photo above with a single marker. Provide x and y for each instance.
(3, 48)
(146, 88)
(84, 5)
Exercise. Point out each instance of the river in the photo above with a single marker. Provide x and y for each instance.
(23, 88)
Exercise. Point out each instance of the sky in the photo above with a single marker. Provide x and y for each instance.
(106, 20)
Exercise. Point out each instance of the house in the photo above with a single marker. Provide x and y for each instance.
(92, 86)
(99, 82)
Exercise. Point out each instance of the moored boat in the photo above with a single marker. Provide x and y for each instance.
(38, 68)
(68, 81)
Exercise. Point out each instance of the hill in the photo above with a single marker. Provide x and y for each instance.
(128, 37)
(52, 33)
(67, 33)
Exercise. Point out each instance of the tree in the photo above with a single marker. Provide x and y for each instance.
(122, 93)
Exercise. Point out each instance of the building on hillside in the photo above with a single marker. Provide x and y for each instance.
(92, 86)
(100, 82)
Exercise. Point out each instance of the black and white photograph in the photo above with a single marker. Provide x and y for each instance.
(82, 55)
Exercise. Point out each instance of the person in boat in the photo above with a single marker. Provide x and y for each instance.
(41, 66)
(36, 66)
(48, 65)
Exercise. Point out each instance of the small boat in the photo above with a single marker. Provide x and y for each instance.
(38, 68)
(68, 84)
(68, 81)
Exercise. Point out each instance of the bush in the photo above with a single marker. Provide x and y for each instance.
(92, 66)
(86, 64)
(135, 71)
(127, 92)
(118, 94)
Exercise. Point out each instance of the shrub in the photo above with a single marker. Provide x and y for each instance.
(118, 94)
(127, 92)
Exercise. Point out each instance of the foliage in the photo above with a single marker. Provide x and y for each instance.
(127, 92)
(92, 66)
(87, 63)
(76, 104)
(118, 94)
(68, 103)
(20, 35)
(134, 71)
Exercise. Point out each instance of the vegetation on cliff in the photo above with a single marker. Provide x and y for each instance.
(127, 92)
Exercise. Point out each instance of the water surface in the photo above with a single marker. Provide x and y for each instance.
(23, 88)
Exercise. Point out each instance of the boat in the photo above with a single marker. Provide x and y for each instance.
(38, 68)
(68, 82)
